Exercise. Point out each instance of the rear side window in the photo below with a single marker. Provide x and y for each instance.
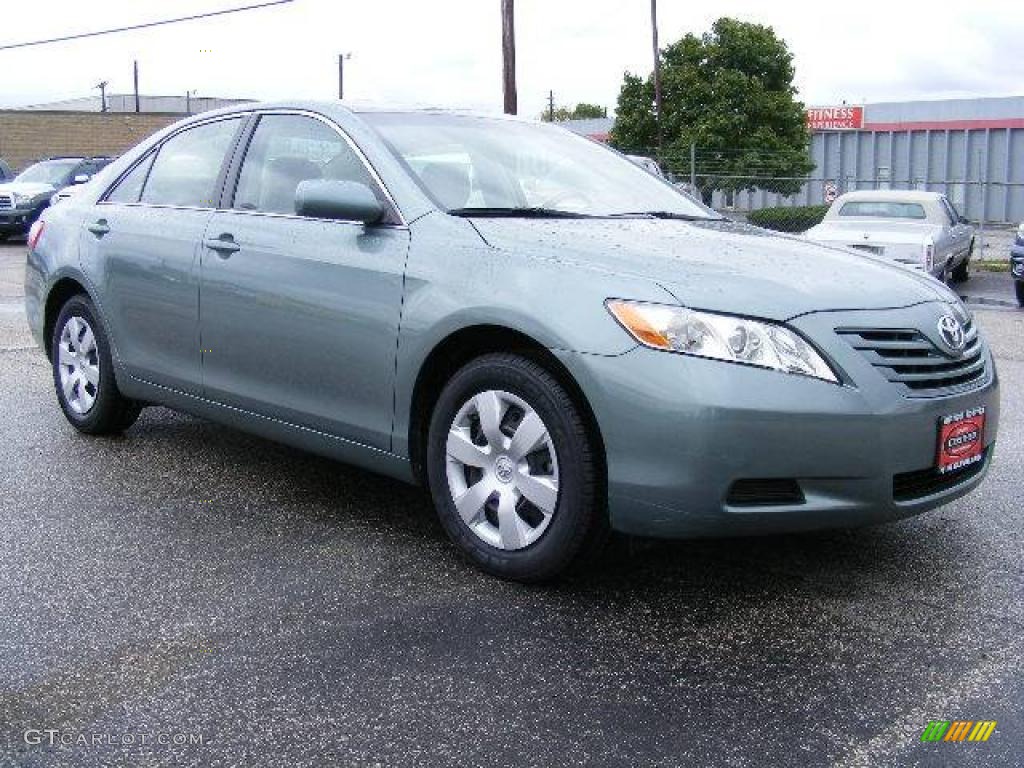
(187, 166)
(129, 189)
(882, 209)
(285, 151)
(954, 216)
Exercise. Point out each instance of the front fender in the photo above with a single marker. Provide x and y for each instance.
(454, 281)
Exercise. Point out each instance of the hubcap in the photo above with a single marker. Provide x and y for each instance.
(502, 470)
(78, 362)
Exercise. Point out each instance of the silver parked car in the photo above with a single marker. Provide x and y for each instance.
(920, 229)
(552, 340)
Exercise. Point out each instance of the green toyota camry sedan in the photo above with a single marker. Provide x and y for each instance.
(554, 341)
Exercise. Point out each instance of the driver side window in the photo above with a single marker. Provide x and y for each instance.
(286, 150)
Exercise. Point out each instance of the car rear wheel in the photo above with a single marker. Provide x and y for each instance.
(1019, 285)
(512, 471)
(83, 374)
(963, 270)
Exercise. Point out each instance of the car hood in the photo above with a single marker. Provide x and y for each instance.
(721, 265)
(29, 188)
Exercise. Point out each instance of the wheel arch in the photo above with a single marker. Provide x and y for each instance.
(62, 290)
(466, 344)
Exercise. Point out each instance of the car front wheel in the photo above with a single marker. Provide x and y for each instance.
(1019, 285)
(512, 470)
(83, 373)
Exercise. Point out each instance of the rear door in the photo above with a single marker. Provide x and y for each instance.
(300, 315)
(959, 234)
(140, 246)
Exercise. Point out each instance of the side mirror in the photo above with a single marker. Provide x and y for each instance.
(340, 200)
(81, 178)
(964, 220)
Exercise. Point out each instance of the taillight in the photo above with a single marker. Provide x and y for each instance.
(34, 233)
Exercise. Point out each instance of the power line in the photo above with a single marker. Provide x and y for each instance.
(163, 22)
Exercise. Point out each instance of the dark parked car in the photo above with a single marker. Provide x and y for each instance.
(1017, 264)
(26, 196)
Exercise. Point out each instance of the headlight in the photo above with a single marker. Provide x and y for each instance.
(720, 337)
(1020, 231)
(21, 201)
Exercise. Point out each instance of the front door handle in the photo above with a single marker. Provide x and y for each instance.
(224, 245)
(99, 228)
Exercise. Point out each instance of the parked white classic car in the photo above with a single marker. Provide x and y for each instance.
(921, 229)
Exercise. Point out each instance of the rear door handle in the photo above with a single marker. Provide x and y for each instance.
(99, 228)
(224, 245)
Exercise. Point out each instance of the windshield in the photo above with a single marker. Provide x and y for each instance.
(882, 209)
(52, 172)
(496, 165)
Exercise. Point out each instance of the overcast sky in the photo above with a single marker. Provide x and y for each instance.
(447, 52)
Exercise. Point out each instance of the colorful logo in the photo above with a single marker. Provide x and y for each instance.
(958, 730)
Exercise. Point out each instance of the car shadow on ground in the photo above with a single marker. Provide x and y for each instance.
(251, 476)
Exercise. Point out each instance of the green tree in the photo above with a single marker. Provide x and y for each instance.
(730, 93)
(581, 111)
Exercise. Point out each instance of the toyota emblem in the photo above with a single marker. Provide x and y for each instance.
(952, 333)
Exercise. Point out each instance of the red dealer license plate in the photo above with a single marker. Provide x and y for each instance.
(961, 439)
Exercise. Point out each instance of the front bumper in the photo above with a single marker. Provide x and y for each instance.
(1017, 260)
(680, 431)
(16, 220)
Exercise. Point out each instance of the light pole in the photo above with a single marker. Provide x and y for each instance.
(341, 73)
(657, 71)
(102, 85)
(508, 56)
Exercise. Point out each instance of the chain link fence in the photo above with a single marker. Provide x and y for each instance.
(745, 184)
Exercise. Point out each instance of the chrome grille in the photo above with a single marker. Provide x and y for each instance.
(5, 201)
(907, 358)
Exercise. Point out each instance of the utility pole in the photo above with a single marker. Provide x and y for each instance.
(508, 52)
(135, 77)
(341, 74)
(102, 85)
(551, 106)
(657, 71)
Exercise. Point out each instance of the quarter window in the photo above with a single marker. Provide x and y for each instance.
(285, 151)
(187, 166)
(129, 189)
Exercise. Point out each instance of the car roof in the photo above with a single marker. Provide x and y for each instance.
(891, 195)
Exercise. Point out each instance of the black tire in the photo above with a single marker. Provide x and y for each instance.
(579, 523)
(1019, 286)
(962, 273)
(111, 412)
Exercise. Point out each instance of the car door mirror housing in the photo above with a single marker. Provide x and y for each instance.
(963, 220)
(340, 200)
(81, 178)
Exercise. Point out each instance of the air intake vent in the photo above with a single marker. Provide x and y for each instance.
(910, 360)
(764, 493)
(910, 486)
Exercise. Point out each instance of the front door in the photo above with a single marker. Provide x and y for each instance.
(299, 316)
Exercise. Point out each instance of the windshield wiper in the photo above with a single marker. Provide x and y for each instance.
(665, 215)
(519, 212)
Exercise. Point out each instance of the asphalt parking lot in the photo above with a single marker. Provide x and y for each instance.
(192, 582)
